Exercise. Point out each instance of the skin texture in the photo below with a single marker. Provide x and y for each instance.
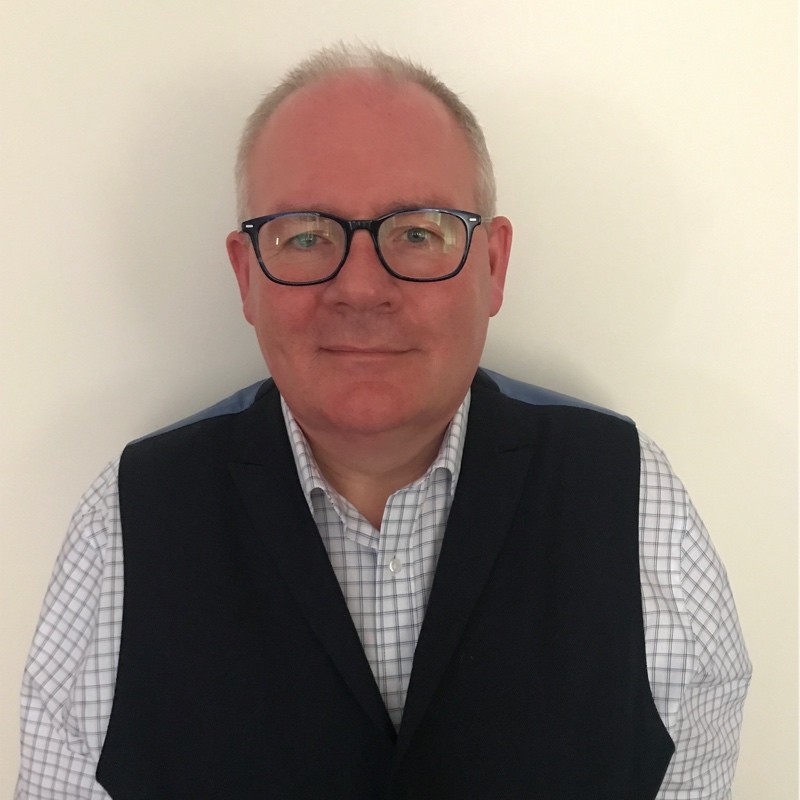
(373, 368)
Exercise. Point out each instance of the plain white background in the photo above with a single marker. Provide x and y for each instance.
(645, 151)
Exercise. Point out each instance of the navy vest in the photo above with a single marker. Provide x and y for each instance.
(241, 674)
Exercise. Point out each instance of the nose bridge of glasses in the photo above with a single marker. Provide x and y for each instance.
(370, 226)
(363, 224)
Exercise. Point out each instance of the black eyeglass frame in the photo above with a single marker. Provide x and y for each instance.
(251, 227)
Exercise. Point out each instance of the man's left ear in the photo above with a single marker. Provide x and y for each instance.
(500, 235)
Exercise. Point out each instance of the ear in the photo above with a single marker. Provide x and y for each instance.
(239, 254)
(500, 235)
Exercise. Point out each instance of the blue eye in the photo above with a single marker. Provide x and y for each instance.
(417, 235)
(304, 240)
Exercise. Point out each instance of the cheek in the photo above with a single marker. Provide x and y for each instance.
(472, 298)
(458, 324)
(281, 318)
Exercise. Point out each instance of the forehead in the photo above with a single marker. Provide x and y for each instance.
(358, 143)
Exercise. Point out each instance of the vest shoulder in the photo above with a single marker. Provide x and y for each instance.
(197, 432)
(234, 403)
(533, 395)
(566, 432)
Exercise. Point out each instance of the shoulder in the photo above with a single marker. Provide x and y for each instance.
(532, 394)
(541, 415)
(204, 433)
(96, 517)
(239, 401)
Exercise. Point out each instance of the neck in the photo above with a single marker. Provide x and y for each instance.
(368, 469)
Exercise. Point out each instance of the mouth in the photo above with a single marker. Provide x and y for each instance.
(364, 349)
(364, 358)
(346, 350)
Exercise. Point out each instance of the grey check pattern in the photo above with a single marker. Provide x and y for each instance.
(698, 666)
(386, 575)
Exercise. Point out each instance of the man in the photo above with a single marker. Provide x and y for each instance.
(378, 575)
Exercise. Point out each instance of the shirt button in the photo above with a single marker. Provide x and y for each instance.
(395, 565)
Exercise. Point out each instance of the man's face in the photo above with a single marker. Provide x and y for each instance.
(366, 353)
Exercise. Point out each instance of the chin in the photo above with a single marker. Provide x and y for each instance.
(364, 409)
(372, 409)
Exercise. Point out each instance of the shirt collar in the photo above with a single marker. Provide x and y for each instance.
(448, 458)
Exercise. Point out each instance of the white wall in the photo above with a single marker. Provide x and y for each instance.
(645, 152)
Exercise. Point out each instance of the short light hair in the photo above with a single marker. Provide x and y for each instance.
(340, 58)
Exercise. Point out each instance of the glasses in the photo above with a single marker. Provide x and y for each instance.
(301, 248)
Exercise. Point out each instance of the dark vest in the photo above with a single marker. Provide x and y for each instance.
(241, 674)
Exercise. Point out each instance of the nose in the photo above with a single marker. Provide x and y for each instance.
(363, 282)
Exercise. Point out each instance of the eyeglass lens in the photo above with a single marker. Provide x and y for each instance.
(415, 244)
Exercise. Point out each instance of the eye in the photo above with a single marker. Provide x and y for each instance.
(304, 241)
(418, 235)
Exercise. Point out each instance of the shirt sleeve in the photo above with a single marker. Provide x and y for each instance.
(68, 683)
(698, 665)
